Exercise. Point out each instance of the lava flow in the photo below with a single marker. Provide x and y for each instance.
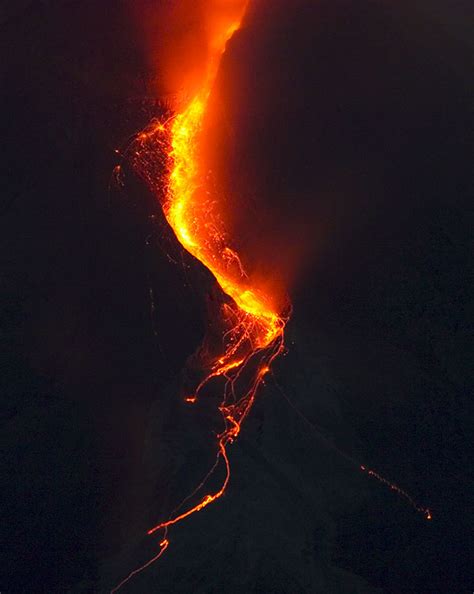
(255, 335)
(254, 329)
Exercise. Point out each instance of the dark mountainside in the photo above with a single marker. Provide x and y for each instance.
(98, 321)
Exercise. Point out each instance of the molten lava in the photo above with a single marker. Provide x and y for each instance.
(254, 333)
(255, 336)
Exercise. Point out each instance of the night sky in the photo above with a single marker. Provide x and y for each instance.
(351, 153)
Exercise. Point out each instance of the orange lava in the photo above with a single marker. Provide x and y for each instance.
(255, 329)
(394, 487)
(163, 546)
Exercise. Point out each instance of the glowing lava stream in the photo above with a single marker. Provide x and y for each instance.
(255, 331)
(255, 336)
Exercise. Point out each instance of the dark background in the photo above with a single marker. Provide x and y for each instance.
(372, 104)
